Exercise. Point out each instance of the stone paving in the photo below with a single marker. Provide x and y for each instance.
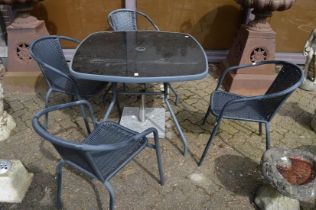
(228, 178)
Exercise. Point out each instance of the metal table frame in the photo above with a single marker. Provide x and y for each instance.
(162, 79)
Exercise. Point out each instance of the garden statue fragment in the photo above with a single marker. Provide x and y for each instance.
(310, 63)
(6, 121)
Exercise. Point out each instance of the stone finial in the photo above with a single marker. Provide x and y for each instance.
(6, 121)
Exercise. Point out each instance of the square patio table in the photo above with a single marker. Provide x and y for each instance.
(140, 57)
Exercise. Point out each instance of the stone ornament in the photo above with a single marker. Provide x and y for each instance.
(7, 123)
(291, 172)
(263, 9)
(21, 32)
(254, 42)
(313, 122)
(267, 5)
(14, 182)
(310, 63)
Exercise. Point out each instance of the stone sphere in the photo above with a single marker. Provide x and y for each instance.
(267, 5)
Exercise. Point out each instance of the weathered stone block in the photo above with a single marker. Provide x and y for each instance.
(14, 183)
(268, 198)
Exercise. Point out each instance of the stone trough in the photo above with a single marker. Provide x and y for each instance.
(291, 172)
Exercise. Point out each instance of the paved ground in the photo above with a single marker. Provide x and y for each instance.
(227, 180)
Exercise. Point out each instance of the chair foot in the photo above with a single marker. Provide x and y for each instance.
(159, 162)
(217, 123)
(59, 183)
(108, 186)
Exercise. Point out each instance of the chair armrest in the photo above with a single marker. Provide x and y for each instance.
(68, 39)
(65, 106)
(68, 77)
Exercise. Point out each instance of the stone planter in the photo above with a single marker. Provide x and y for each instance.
(291, 172)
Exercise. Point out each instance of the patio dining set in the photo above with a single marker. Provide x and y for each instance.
(126, 56)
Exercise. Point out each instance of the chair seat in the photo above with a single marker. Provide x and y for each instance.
(244, 110)
(108, 133)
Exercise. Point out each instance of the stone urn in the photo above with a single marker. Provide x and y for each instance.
(21, 32)
(255, 41)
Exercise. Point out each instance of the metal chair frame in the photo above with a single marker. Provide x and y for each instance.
(134, 17)
(134, 28)
(87, 150)
(270, 95)
(44, 66)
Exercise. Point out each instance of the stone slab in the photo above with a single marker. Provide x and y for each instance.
(154, 117)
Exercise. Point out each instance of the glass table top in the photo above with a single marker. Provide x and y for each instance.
(139, 56)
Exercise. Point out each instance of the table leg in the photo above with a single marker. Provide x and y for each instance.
(141, 114)
(113, 101)
(173, 116)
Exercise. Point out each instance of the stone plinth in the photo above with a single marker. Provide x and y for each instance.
(251, 46)
(21, 33)
(255, 42)
(14, 183)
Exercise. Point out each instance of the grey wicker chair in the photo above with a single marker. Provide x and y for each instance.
(48, 53)
(126, 20)
(259, 109)
(103, 153)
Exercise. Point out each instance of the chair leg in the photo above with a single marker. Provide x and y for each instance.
(206, 115)
(85, 118)
(118, 107)
(58, 183)
(260, 128)
(50, 90)
(108, 186)
(217, 123)
(175, 93)
(107, 90)
(73, 98)
(159, 162)
(267, 136)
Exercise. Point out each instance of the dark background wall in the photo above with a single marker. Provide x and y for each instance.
(213, 22)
